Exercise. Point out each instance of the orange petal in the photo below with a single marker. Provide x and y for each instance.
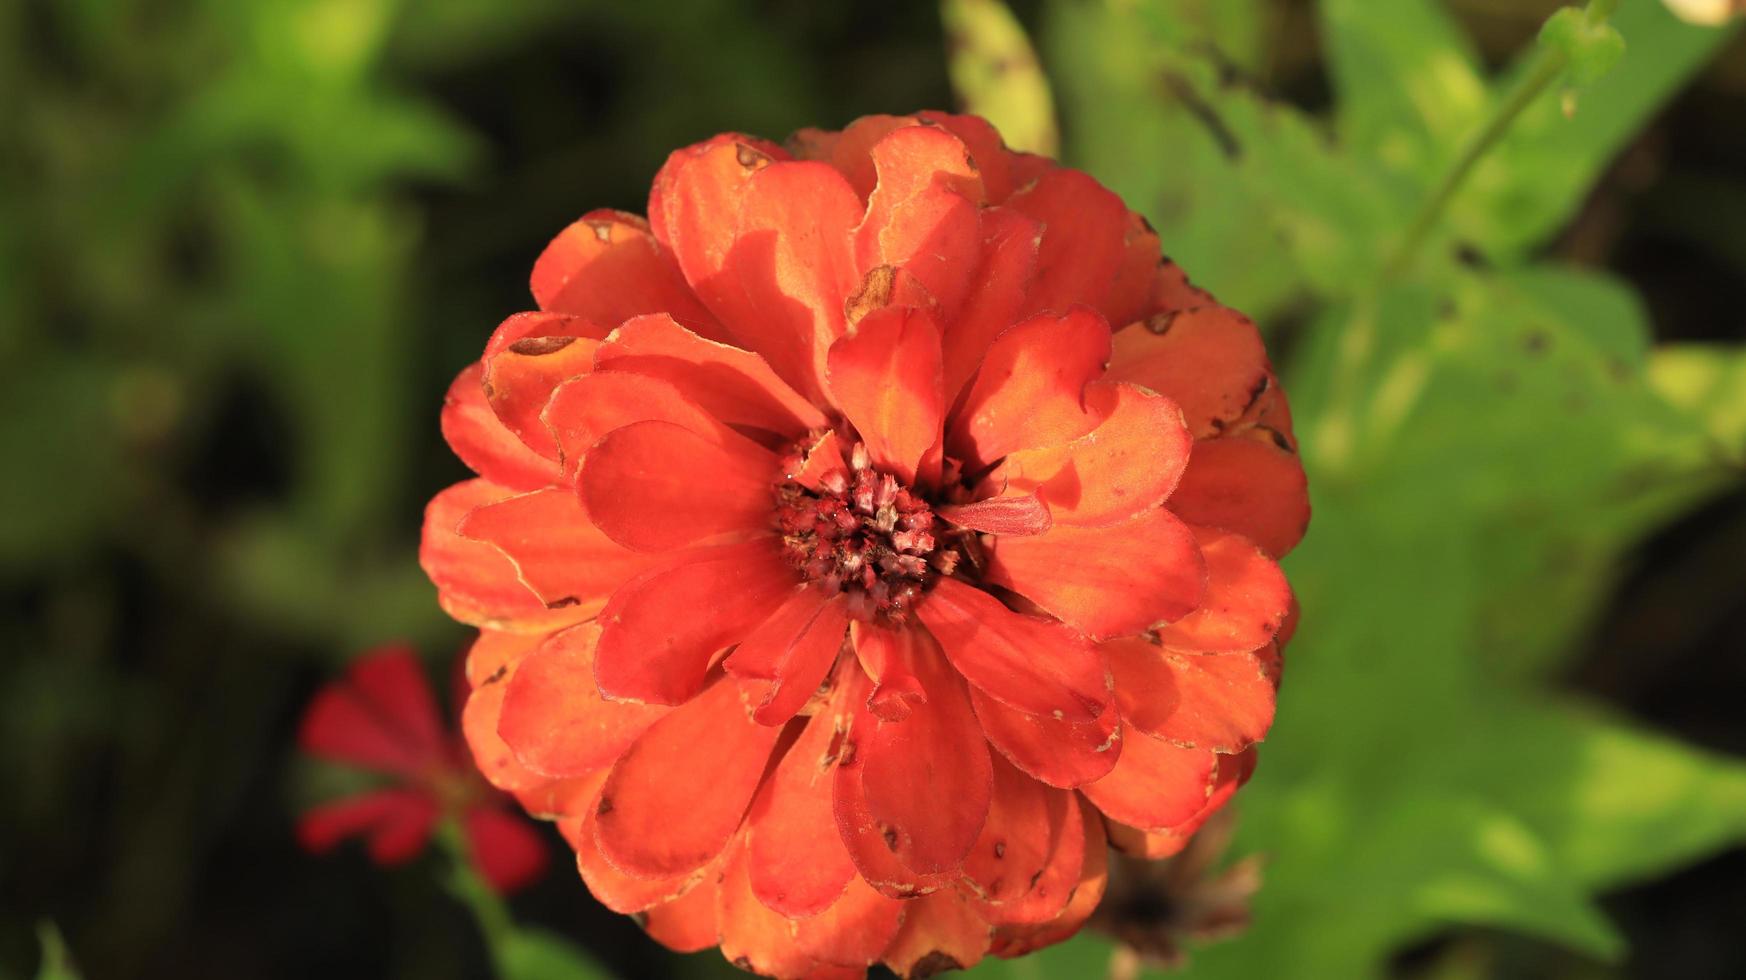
(1247, 598)
(793, 257)
(753, 936)
(656, 486)
(584, 410)
(687, 924)
(561, 799)
(532, 324)
(987, 150)
(1084, 230)
(1057, 752)
(884, 655)
(1130, 294)
(1106, 581)
(1223, 703)
(1254, 487)
(519, 381)
(1128, 464)
(492, 650)
(851, 151)
(660, 633)
(557, 552)
(482, 441)
(997, 291)
(1048, 890)
(493, 757)
(1209, 360)
(608, 267)
(922, 214)
(476, 583)
(1172, 291)
(1032, 664)
(554, 718)
(620, 892)
(940, 932)
(1087, 894)
(733, 385)
(1154, 785)
(791, 654)
(1030, 389)
(1024, 818)
(796, 859)
(927, 778)
(1015, 515)
(675, 799)
(885, 376)
(854, 930)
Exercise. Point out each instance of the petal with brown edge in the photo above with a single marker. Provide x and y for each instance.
(1223, 703)
(854, 930)
(1032, 664)
(1057, 752)
(1087, 894)
(867, 844)
(493, 650)
(557, 552)
(583, 410)
(1106, 581)
(922, 214)
(1030, 389)
(735, 386)
(1130, 293)
(491, 755)
(519, 380)
(554, 717)
(987, 150)
(657, 486)
(1252, 486)
(940, 932)
(677, 797)
(1131, 462)
(1247, 598)
(885, 376)
(1154, 785)
(1209, 360)
(1050, 889)
(476, 583)
(927, 778)
(753, 936)
(481, 440)
(608, 267)
(796, 859)
(1084, 231)
(660, 633)
(1024, 818)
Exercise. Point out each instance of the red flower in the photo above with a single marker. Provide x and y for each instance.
(383, 717)
(815, 518)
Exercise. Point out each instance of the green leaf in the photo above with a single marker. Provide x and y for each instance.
(57, 960)
(995, 73)
(536, 954)
(1709, 383)
(1408, 80)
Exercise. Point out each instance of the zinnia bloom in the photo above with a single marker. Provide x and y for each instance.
(863, 544)
(383, 717)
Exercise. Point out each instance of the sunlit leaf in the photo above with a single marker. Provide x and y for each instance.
(996, 75)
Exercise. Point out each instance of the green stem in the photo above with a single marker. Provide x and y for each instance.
(1550, 65)
(488, 909)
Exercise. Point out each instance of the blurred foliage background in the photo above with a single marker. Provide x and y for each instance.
(244, 246)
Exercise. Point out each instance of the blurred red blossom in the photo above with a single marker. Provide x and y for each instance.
(382, 716)
(864, 544)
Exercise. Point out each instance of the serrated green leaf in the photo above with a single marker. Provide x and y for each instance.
(996, 75)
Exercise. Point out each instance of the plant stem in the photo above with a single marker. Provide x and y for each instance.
(465, 884)
(1548, 67)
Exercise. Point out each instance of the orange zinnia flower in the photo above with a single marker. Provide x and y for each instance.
(864, 543)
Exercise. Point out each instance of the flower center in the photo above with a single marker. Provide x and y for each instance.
(856, 530)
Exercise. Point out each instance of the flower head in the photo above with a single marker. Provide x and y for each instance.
(383, 717)
(864, 539)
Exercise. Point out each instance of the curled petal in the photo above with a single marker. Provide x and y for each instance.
(1253, 486)
(1223, 703)
(1106, 581)
(1129, 463)
(623, 893)
(554, 717)
(733, 385)
(1060, 753)
(1015, 515)
(922, 214)
(1247, 598)
(676, 798)
(1030, 389)
(519, 381)
(607, 267)
(1208, 359)
(657, 486)
(482, 441)
(1155, 785)
(584, 410)
(885, 656)
(661, 632)
(1031, 664)
(557, 552)
(885, 376)
(987, 150)
(476, 583)
(785, 660)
